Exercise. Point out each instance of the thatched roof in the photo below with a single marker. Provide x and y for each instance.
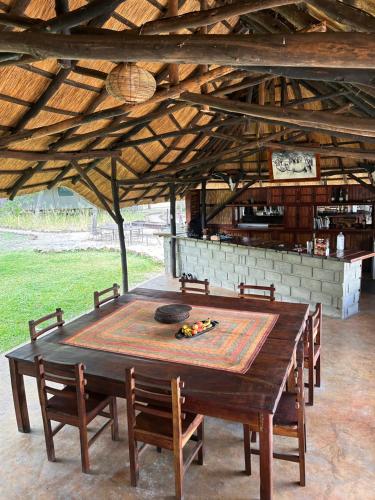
(182, 135)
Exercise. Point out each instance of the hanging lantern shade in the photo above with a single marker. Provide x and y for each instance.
(130, 83)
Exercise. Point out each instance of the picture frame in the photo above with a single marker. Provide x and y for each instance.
(290, 166)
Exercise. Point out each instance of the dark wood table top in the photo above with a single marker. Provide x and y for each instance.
(211, 392)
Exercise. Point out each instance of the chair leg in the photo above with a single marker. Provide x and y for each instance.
(317, 372)
(178, 472)
(311, 383)
(84, 449)
(49, 439)
(133, 460)
(200, 433)
(247, 448)
(301, 453)
(114, 415)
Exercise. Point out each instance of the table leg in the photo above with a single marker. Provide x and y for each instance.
(19, 397)
(266, 455)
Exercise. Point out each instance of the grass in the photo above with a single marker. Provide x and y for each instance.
(59, 220)
(33, 284)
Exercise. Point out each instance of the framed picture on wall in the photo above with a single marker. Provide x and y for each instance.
(287, 166)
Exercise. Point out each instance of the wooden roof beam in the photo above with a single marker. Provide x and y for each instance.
(287, 50)
(57, 155)
(319, 120)
(357, 154)
(201, 18)
(345, 14)
(348, 75)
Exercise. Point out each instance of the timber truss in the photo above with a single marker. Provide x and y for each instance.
(233, 80)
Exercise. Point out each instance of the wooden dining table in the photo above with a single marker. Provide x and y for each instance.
(217, 393)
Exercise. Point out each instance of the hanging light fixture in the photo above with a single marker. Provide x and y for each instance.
(130, 83)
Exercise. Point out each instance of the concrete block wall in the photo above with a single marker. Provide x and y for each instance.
(297, 278)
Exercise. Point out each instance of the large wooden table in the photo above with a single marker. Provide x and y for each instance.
(210, 392)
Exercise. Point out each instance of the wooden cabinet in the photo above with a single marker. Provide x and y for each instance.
(274, 196)
(290, 217)
(322, 194)
(290, 195)
(298, 217)
(305, 217)
(306, 194)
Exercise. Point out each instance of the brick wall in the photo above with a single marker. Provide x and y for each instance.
(297, 278)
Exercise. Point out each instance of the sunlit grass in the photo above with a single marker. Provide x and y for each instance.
(33, 284)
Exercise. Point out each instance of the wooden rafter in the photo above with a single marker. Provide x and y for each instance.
(297, 50)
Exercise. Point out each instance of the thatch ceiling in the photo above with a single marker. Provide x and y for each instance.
(315, 88)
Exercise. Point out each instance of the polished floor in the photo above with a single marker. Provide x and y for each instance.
(340, 433)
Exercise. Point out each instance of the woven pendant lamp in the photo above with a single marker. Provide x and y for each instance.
(130, 83)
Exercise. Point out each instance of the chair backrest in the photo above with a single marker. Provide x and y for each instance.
(34, 333)
(244, 295)
(187, 282)
(63, 374)
(315, 322)
(115, 293)
(300, 399)
(158, 397)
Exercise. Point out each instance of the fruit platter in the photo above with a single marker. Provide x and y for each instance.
(196, 329)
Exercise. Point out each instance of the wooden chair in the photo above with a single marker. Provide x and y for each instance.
(115, 289)
(289, 420)
(161, 423)
(34, 334)
(313, 344)
(243, 295)
(71, 405)
(186, 288)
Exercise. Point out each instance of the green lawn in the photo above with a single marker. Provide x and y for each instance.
(33, 284)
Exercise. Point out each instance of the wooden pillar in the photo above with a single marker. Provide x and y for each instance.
(204, 67)
(120, 225)
(172, 217)
(203, 206)
(173, 68)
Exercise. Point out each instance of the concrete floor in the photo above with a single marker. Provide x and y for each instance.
(340, 438)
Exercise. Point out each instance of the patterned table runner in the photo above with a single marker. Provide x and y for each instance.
(132, 330)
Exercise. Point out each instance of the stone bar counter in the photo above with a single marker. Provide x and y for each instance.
(304, 278)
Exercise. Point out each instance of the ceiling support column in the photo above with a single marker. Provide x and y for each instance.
(203, 206)
(172, 216)
(120, 225)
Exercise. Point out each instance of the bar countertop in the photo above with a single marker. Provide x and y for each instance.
(348, 256)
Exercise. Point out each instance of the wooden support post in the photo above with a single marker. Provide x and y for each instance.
(120, 225)
(360, 181)
(203, 206)
(172, 215)
(204, 67)
(173, 68)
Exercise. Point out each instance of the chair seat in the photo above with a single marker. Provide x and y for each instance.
(59, 404)
(286, 414)
(159, 425)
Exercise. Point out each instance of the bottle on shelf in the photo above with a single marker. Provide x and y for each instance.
(346, 195)
(340, 244)
(333, 195)
(341, 196)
